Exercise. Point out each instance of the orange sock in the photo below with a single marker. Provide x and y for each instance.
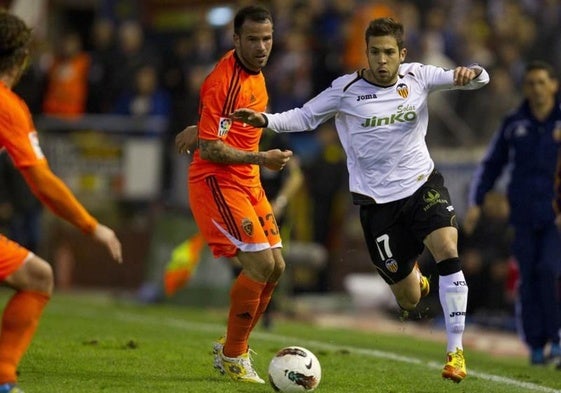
(264, 301)
(244, 302)
(19, 322)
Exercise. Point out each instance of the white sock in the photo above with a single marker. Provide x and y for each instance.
(453, 293)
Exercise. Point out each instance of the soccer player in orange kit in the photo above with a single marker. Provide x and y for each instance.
(20, 269)
(225, 193)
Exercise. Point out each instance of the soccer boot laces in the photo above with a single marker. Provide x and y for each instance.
(240, 368)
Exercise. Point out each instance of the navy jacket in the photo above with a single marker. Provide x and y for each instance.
(528, 147)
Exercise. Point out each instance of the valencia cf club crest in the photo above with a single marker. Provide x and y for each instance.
(391, 265)
(402, 90)
(247, 226)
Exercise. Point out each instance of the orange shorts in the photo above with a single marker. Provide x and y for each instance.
(233, 217)
(12, 256)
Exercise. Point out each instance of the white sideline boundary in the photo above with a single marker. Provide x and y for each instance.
(282, 339)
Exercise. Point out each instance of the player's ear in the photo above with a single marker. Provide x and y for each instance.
(402, 55)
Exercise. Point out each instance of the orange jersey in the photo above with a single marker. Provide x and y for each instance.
(228, 87)
(17, 132)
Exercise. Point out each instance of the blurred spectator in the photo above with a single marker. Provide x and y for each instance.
(289, 74)
(100, 91)
(330, 25)
(67, 79)
(146, 98)
(133, 52)
(500, 98)
(353, 55)
(486, 259)
(327, 181)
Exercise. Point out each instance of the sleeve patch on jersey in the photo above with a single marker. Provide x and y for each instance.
(224, 125)
(34, 140)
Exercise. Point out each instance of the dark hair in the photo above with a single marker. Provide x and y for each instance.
(255, 13)
(540, 65)
(385, 26)
(14, 39)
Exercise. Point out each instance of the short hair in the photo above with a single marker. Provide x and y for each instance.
(385, 26)
(541, 66)
(255, 13)
(14, 39)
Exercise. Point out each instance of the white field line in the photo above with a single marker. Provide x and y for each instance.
(283, 340)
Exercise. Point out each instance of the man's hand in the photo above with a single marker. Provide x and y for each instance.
(187, 140)
(107, 237)
(276, 159)
(249, 116)
(472, 218)
(464, 75)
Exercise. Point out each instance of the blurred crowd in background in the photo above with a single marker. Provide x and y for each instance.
(141, 58)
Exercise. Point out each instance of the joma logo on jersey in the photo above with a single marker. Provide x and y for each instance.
(366, 97)
(401, 117)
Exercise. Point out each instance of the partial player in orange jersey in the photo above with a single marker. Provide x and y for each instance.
(225, 192)
(20, 269)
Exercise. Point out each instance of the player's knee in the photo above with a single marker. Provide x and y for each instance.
(38, 276)
(259, 268)
(280, 267)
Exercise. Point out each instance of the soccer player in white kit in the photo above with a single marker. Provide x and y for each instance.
(381, 117)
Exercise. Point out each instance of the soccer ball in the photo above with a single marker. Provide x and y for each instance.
(294, 369)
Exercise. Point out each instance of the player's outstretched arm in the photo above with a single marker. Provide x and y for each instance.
(221, 153)
(54, 194)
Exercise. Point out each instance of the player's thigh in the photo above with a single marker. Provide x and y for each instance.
(433, 218)
(266, 216)
(226, 217)
(392, 246)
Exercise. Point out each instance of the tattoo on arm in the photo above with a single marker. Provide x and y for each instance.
(220, 153)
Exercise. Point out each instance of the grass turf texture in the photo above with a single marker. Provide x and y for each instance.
(92, 343)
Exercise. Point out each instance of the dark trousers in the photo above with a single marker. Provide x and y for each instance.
(538, 252)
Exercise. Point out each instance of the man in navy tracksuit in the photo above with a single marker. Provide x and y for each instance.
(527, 142)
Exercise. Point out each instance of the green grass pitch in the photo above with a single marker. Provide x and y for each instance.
(91, 343)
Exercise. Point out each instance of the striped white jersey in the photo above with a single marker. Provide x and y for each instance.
(382, 129)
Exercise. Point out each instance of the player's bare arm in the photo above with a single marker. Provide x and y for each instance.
(219, 152)
(249, 116)
(187, 140)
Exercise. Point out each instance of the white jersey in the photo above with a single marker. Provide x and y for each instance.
(382, 129)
